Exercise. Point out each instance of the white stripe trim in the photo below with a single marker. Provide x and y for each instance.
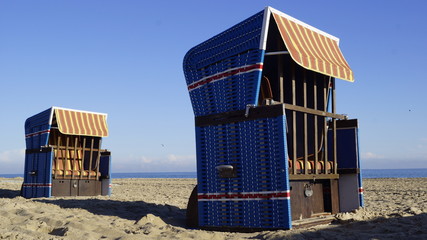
(264, 30)
(82, 111)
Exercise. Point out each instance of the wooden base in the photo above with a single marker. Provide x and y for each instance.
(75, 187)
(327, 218)
(192, 210)
(310, 198)
(312, 203)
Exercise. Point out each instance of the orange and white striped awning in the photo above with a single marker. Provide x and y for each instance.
(75, 122)
(313, 49)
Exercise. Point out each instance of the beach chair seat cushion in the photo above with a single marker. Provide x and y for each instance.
(300, 166)
(73, 165)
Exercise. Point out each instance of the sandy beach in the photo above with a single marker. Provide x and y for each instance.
(155, 209)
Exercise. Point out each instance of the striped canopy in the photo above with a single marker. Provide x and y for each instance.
(311, 48)
(75, 122)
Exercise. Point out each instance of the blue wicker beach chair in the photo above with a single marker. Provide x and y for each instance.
(64, 155)
(271, 149)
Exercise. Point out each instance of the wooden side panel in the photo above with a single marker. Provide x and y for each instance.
(61, 187)
(310, 199)
(89, 187)
(302, 205)
(335, 196)
(75, 187)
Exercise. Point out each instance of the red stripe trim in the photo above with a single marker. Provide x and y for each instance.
(37, 133)
(243, 196)
(37, 185)
(225, 74)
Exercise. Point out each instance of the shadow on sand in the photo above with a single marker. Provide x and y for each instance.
(391, 227)
(123, 209)
(7, 193)
(396, 226)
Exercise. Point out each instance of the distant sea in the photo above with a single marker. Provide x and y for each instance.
(366, 173)
(395, 173)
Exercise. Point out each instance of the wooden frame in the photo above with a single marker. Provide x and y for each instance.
(78, 160)
(306, 96)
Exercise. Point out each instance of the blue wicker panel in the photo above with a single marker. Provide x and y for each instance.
(236, 47)
(37, 135)
(230, 94)
(257, 149)
(347, 148)
(347, 152)
(235, 40)
(105, 169)
(249, 214)
(105, 165)
(38, 185)
(361, 196)
(34, 124)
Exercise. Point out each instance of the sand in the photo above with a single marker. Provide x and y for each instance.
(155, 209)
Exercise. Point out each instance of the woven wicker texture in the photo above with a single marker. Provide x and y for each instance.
(234, 48)
(256, 150)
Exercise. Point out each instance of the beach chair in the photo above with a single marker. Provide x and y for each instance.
(64, 155)
(272, 152)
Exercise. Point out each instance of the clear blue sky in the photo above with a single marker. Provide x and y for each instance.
(124, 58)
